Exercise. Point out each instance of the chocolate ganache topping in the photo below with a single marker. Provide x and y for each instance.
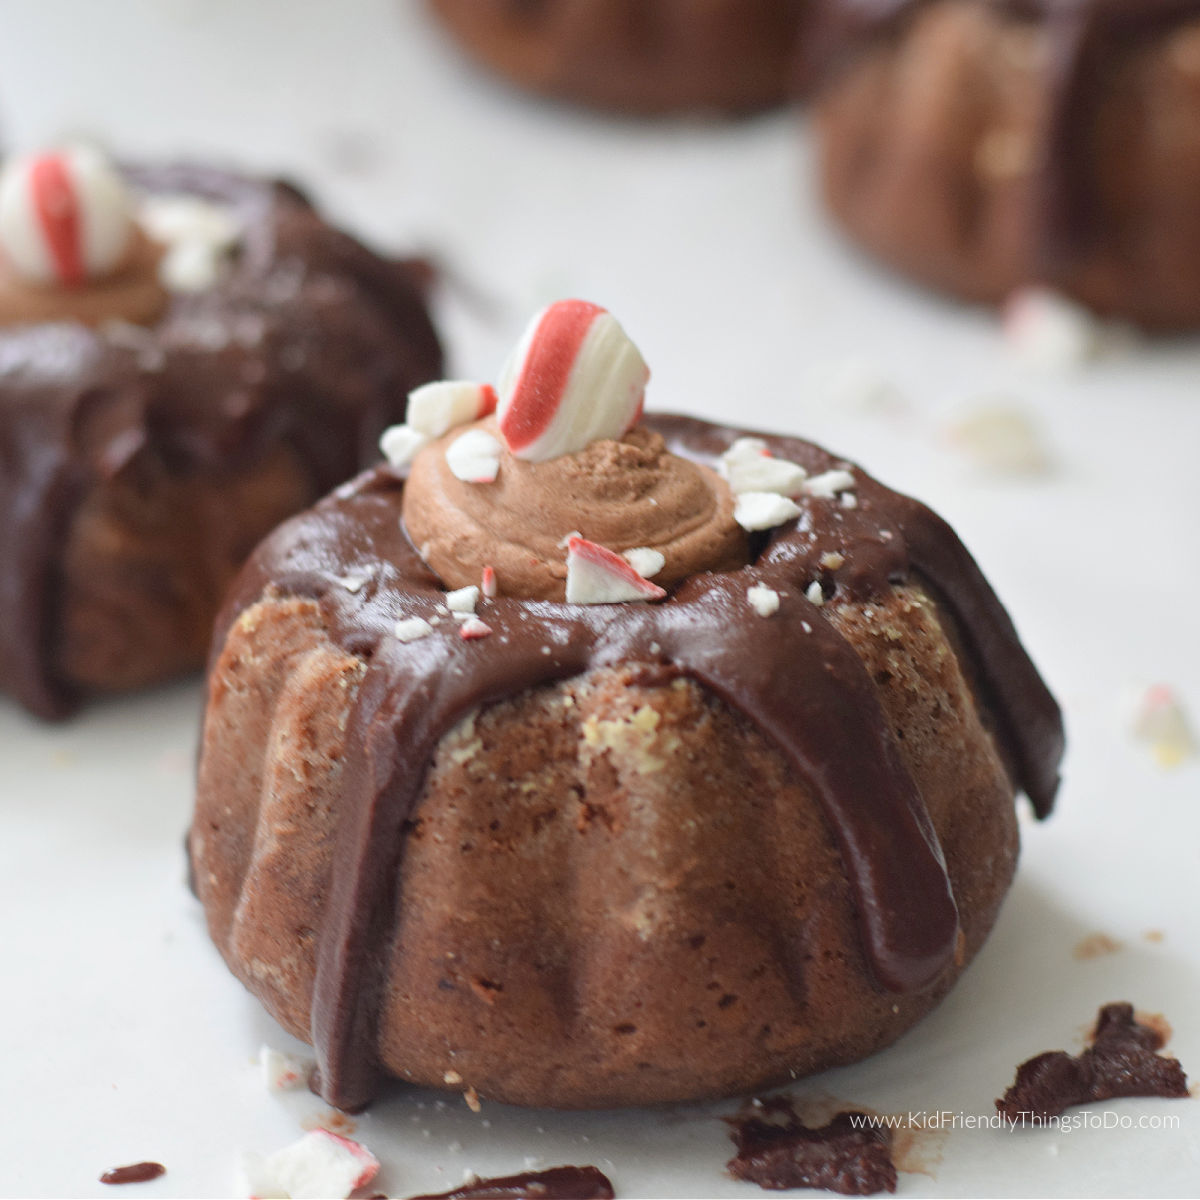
(798, 680)
(1084, 39)
(302, 337)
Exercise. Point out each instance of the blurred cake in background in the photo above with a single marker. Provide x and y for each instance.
(980, 146)
(187, 356)
(636, 56)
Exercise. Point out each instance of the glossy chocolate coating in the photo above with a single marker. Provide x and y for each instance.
(227, 373)
(796, 678)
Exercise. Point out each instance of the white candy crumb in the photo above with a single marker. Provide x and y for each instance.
(1001, 439)
(763, 510)
(1048, 330)
(400, 443)
(474, 457)
(831, 560)
(829, 484)
(806, 626)
(749, 467)
(198, 234)
(849, 500)
(412, 629)
(463, 599)
(1161, 721)
(646, 561)
(436, 408)
(814, 594)
(320, 1164)
(282, 1072)
(764, 600)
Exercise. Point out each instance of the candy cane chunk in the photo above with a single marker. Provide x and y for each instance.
(473, 628)
(65, 216)
(829, 484)
(596, 575)
(320, 1164)
(749, 466)
(282, 1072)
(763, 510)
(489, 586)
(764, 600)
(645, 560)
(200, 236)
(400, 443)
(1049, 330)
(574, 377)
(463, 599)
(436, 408)
(474, 457)
(1161, 721)
(412, 629)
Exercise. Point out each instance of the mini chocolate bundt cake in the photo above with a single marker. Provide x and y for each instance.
(187, 357)
(983, 145)
(636, 56)
(590, 759)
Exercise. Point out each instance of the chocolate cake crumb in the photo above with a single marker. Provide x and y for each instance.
(1122, 1061)
(556, 1183)
(775, 1149)
(141, 1172)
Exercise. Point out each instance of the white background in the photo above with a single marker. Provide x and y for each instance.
(123, 1038)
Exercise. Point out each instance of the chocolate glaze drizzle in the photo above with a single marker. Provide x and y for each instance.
(797, 679)
(1086, 37)
(557, 1183)
(308, 338)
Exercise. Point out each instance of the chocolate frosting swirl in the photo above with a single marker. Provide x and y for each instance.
(796, 678)
(622, 494)
(1085, 38)
(308, 339)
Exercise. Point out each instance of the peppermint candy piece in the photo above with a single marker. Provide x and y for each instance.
(463, 599)
(574, 377)
(436, 408)
(400, 443)
(750, 467)
(65, 216)
(829, 484)
(473, 628)
(645, 560)
(474, 457)
(764, 600)
(320, 1164)
(596, 575)
(755, 511)
(282, 1072)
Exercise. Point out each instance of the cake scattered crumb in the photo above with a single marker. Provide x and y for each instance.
(1121, 1061)
(333, 1120)
(1154, 935)
(1001, 439)
(471, 1096)
(1161, 721)
(1095, 945)
(352, 583)
(831, 560)
(764, 600)
(452, 1079)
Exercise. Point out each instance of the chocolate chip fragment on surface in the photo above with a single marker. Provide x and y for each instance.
(851, 1154)
(1121, 1061)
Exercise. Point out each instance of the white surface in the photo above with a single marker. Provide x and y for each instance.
(123, 1037)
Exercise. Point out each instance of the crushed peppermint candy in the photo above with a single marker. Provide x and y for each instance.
(436, 408)
(488, 584)
(463, 599)
(829, 484)
(474, 457)
(200, 236)
(320, 1164)
(1001, 439)
(814, 593)
(763, 510)
(1161, 721)
(645, 560)
(597, 575)
(282, 1072)
(764, 600)
(573, 378)
(749, 466)
(399, 444)
(1048, 330)
(473, 628)
(412, 629)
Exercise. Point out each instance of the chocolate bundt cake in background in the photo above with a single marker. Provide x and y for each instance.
(187, 357)
(584, 759)
(636, 56)
(982, 145)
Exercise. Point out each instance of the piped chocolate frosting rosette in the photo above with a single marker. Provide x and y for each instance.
(549, 529)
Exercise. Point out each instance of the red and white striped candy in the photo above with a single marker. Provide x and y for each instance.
(595, 575)
(65, 216)
(574, 377)
(436, 408)
(319, 1164)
